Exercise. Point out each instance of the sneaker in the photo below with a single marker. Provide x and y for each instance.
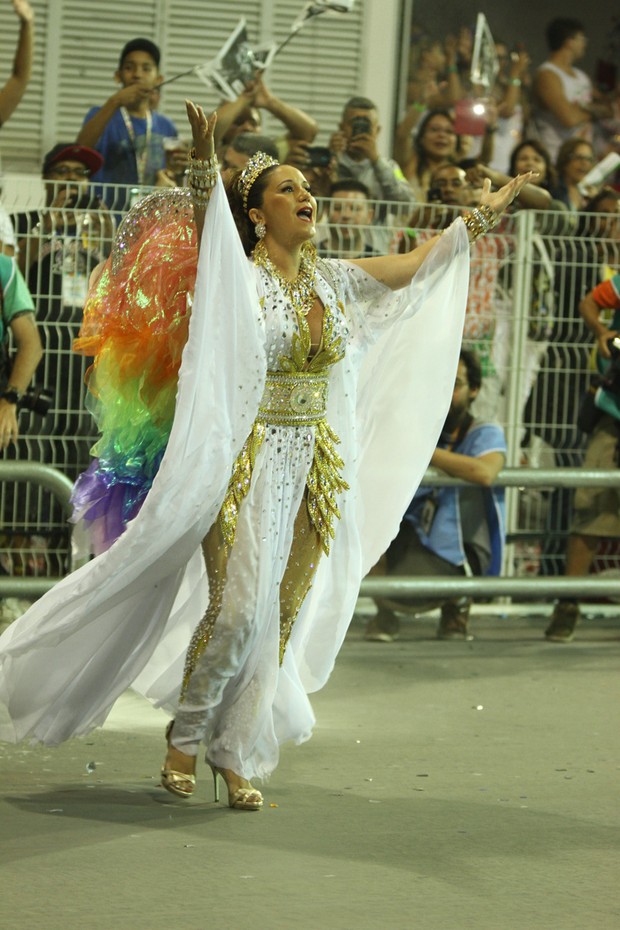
(383, 627)
(564, 619)
(454, 620)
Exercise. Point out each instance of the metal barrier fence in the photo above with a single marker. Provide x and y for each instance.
(526, 281)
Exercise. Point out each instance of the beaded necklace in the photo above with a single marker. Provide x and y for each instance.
(300, 292)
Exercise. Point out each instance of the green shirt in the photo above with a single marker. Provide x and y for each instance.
(16, 298)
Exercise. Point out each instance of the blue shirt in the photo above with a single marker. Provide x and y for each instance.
(447, 535)
(119, 154)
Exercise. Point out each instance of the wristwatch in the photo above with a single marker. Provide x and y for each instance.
(11, 394)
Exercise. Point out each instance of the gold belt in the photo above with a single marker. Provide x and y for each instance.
(298, 399)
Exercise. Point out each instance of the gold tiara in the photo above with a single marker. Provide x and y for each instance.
(254, 168)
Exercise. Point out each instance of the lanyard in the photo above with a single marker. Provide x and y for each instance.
(141, 160)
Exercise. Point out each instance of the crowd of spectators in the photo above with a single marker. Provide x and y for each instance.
(452, 135)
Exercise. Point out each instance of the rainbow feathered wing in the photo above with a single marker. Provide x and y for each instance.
(135, 327)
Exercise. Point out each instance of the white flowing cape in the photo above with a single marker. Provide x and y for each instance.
(125, 618)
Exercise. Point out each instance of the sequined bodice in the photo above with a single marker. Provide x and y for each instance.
(288, 337)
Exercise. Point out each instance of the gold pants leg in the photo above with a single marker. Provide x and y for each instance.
(301, 566)
(303, 561)
(215, 553)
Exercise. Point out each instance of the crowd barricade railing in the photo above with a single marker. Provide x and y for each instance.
(527, 277)
(503, 586)
(26, 584)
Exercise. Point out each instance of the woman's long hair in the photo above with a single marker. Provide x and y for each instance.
(418, 142)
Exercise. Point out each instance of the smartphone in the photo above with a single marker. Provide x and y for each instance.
(360, 126)
(319, 156)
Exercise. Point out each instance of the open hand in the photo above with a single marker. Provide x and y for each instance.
(9, 429)
(502, 198)
(202, 129)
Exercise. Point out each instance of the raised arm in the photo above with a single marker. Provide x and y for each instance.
(92, 130)
(202, 163)
(229, 110)
(396, 271)
(404, 152)
(531, 196)
(299, 125)
(14, 89)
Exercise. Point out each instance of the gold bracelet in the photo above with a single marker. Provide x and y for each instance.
(480, 221)
(209, 162)
(489, 215)
(201, 178)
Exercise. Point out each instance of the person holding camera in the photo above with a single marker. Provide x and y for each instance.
(17, 316)
(450, 531)
(17, 319)
(59, 246)
(596, 511)
(358, 158)
(357, 153)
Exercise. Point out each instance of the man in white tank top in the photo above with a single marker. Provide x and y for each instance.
(562, 94)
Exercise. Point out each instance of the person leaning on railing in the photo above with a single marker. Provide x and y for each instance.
(450, 531)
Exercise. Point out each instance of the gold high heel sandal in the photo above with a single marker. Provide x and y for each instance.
(181, 784)
(242, 799)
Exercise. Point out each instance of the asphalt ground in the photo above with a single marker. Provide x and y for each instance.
(448, 786)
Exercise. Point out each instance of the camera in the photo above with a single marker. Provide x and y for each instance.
(319, 156)
(35, 400)
(360, 126)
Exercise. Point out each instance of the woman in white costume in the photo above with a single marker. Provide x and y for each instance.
(310, 397)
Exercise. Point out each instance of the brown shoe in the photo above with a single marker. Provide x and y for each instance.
(564, 619)
(454, 619)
